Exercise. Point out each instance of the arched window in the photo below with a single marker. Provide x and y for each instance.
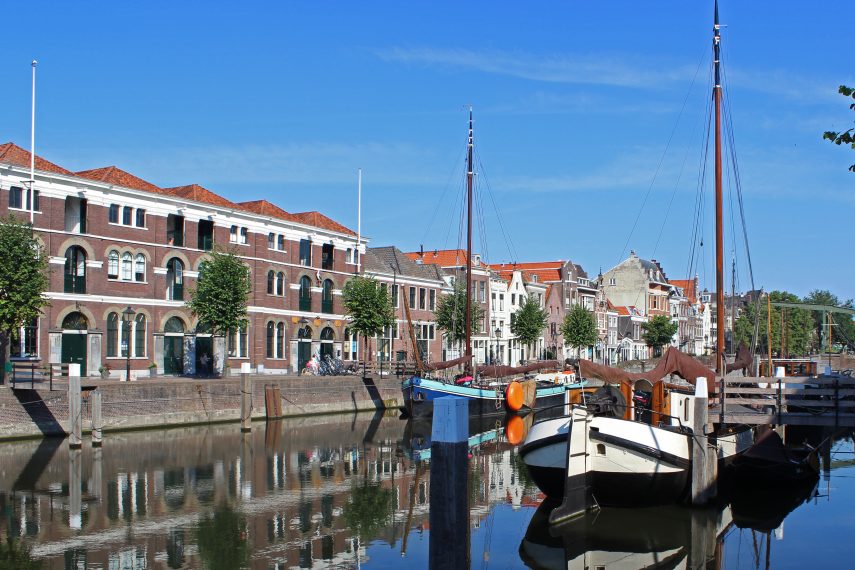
(202, 267)
(280, 284)
(271, 333)
(280, 340)
(326, 298)
(75, 321)
(327, 337)
(173, 325)
(271, 282)
(75, 270)
(139, 268)
(238, 342)
(127, 266)
(305, 294)
(139, 336)
(113, 335)
(175, 280)
(113, 264)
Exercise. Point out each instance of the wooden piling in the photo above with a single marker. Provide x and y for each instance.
(245, 403)
(704, 457)
(578, 497)
(75, 489)
(97, 421)
(75, 409)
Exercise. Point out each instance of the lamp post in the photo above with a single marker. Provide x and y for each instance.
(127, 319)
(498, 332)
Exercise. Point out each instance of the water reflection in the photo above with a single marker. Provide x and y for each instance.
(221, 538)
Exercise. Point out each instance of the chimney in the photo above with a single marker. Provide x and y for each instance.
(421, 250)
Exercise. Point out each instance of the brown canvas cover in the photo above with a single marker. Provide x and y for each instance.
(674, 362)
(500, 371)
(744, 359)
(428, 366)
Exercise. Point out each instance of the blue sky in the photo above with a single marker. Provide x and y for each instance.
(582, 110)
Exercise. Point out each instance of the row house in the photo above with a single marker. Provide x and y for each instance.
(521, 285)
(124, 253)
(567, 285)
(500, 320)
(413, 286)
(629, 334)
(640, 283)
(690, 316)
(454, 262)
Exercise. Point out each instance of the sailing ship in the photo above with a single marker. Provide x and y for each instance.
(486, 390)
(637, 440)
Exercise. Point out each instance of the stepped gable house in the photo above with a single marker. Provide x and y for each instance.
(116, 241)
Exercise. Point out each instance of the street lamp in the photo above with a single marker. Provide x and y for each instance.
(498, 332)
(127, 319)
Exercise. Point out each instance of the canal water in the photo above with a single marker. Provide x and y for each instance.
(356, 490)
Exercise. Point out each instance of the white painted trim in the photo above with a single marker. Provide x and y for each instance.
(94, 264)
(56, 260)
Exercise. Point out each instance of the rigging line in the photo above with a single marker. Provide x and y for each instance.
(699, 194)
(661, 160)
(508, 242)
(458, 204)
(442, 196)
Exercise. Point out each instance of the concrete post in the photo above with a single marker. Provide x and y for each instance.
(449, 504)
(578, 497)
(703, 475)
(97, 422)
(75, 410)
(245, 403)
(75, 479)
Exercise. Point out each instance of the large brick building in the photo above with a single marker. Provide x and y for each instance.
(116, 241)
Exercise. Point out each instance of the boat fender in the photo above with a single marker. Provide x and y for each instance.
(515, 396)
(515, 430)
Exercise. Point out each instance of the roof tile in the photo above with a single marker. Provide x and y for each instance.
(118, 177)
(197, 193)
(10, 153)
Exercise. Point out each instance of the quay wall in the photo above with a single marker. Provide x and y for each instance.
(158, 402)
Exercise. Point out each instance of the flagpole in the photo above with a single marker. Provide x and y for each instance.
(358, 220)
(33, 149)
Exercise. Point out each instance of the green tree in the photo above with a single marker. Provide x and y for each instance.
(222, 293)
(798, 326)
(450, 315)
(843, 327)
(579, 328)
(23, 281)
(843, 137)
(529, 322)
(368, 508)
(658, 331)
(369, 307)
(221, 539)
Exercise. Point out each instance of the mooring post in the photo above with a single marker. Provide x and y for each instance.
(449, 497)
(703, 477)
(96, 480)
(97, 422)
(245, 402)
(75, 408)
(577, 487)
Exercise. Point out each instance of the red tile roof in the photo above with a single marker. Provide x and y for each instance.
(624, 311)
(441, 257)
(547, 271)
(688, 286)
(265, 208)
(197, 193)
(10, 153)
(118, 177)
(318, 220)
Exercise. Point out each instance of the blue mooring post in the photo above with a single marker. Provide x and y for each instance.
(449, 484)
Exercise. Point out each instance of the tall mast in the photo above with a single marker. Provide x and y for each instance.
(719, 232)
(470, 174)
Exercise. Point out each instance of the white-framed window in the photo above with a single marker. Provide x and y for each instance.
(280, 243)
(140, 218)
(271, 241)
(243, 235)
(24, 341)
(127, 266)
(139, 268)
(239, 343)
(113, 264)
(233, 234)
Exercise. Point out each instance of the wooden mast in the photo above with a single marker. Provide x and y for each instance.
(469, 180)
(719, 232)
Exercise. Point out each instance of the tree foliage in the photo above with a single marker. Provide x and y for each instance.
(23, 279)
(843, 137)
(658, 331)
(843, 327)
(579, 327)
(222, 293)
(222, 540)
(368, 305)
(798, 326)
(451, 314)
(369, 506)
(529, 322)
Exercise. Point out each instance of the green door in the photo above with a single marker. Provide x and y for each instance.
(304, 354)
(173, 354)
(74, 350)
(204, 356)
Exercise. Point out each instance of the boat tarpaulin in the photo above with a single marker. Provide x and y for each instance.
(673, 362)
(500, 371)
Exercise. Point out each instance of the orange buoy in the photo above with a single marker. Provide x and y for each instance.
(515, 430)
(514, 396)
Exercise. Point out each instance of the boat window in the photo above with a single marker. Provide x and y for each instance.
(601, 449)
(685, 403)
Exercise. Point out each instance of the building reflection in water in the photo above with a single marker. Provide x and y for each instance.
(303, 492)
